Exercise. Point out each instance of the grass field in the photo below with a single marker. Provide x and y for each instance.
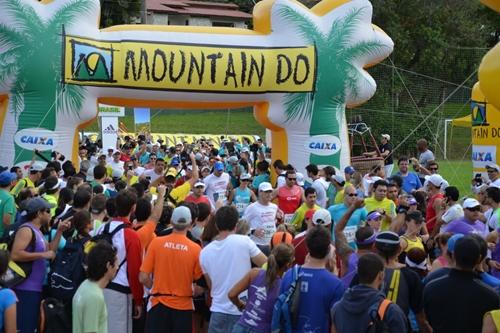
(457, 172)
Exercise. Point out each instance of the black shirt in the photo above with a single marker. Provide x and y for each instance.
(387, 147)
(457, 302)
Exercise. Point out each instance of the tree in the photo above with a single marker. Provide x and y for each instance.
(115, 12)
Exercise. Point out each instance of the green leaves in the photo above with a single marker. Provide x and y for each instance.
(298, 106)
(70, 98)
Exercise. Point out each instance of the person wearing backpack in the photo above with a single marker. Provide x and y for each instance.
(7, 300)
(319, 288)
(24, 249)
(89, 307)
(263, 289)
(124, 294)
(364, 307)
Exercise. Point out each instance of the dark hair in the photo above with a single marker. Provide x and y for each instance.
(483, 246)
(442, 238)
(452, 192)
(387, 250)
(415, 216)
(397, 180)
(54, 165)
(46, 172)
(467, 253)
(318, 242)
(142, 209)
(369, 266)
(81, 219)
(493, 193)
(281, 256)
(309, 190)
(278, 164)
(4, 261)
(98, 203)
(312, 168)
(226, 218)
(139, 189)
(65, 197)
(69, 169)
(290, 172)
(391, 184)
(430, 163)
(120, 185)
(203, 211)
(329, 171)
(14, 169)
(403, 158)
(262, 166)
(418, 256)
(375, 169)
(159, 160)
(210, 231)
(98, 189)
(111, 207)
(99, 256)
(378, 183)
(362, 234)
(73, 181)
(81, 198)
(23, 195)
(125, 201)
(193, 208)
(99, 171)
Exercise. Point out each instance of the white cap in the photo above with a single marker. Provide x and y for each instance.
(245, 176)
(471, 203)
(245, 150)
(233, 159)
(37, 167)
(435, 180)
(339, 179)
(198, 156)
(387, 137)
(322, 217)
(199, 183)
(265, 186)
(493, 166)
(156, 144)
(181, 215)
(373, 179)
(300, 179)
(111, 148)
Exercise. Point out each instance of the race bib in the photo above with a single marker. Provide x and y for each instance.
(240, 207)
(288, 218)
(350, 233)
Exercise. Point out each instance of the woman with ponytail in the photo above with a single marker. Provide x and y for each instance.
(263, 287)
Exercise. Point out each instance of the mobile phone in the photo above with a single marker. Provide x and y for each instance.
(148, 178)
(131, 167)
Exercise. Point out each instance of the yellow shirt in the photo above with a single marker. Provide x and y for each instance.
(51, 199)
(386, 205)
(23, 183)
(179, 193)
(299, 215)
(339, 197)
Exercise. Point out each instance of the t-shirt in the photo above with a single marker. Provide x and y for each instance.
(452, 213)
(463, 226)
(357, 217)
(388, 159)
(300, 213)
(174, 262)
(261, 178)
(226, 262)
(118, 166)
(152, 174)
(25, 182)
(320, 185)
(299, 243)
(216, 187)
(492, 217)
(7, 207)
(259, 216)
(89, 309)
(319, 291)
(7, 299)
(180, 192)
(411, 182)
(193, 199)
(386, 204)
(146, 233)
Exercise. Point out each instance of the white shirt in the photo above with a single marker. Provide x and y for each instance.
(496, 183)
(152, 174)
(492, 218)
(453, 213)
(116, 165)
(139, 171)
(216, 187)
(320, 185)
(226, 262)
(263, 217)
(281, 180)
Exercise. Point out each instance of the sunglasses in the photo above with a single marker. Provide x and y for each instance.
(245, 180)
(351, 194)
(292, 179)
(475, 209)
(433, 169)
(199, 186)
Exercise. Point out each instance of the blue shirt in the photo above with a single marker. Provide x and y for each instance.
(411, 182)
(357, 217)
(263, 177)
(319, 291)
(7, 298)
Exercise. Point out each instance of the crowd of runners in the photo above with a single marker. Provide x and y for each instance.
(140, 237)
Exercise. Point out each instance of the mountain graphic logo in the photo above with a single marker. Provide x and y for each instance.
(478, 111)
(92, 63)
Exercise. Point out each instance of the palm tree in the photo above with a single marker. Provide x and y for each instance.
(33, 62)
(336, 74)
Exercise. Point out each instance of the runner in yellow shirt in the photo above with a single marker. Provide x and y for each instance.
(380, 203)
(300, 213)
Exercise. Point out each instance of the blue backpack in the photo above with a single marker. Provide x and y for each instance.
(286, 307)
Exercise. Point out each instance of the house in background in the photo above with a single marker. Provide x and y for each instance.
(198, 13)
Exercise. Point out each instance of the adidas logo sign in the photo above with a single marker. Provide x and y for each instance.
(109, 130)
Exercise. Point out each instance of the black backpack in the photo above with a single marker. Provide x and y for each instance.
(68, 270)
(377, 313)
(55, 316)
(107, 236)
(16, 272)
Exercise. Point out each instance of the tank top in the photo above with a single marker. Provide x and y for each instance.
(259, 310)
(413, 243)
(289, 199)
(430, 212)
(35, 279)
(241, 199)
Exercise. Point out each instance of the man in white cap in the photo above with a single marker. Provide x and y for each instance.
(492, 171)
(469, 223)
(30, 181)
(434, 183)
(115, 163)
(261, 216)
(173, 260)
(197, 195)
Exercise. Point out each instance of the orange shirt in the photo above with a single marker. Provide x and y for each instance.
(174, 262)
(146, 234)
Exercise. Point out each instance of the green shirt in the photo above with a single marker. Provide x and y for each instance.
(7, 206)
(89, 309)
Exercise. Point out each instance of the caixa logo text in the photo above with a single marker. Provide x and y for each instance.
(323, 145)
(36, 138)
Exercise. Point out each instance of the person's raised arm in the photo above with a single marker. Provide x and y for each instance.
(158, 207)
(195, 175)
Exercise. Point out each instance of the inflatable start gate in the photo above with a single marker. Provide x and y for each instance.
(298, 68)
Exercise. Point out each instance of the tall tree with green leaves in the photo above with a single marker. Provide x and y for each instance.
(34, 69)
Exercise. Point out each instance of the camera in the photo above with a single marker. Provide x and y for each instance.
(54, 154)
(478, 179)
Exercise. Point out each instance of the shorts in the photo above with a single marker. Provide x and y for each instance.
(163, 319)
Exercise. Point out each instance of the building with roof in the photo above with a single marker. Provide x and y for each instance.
(197, 13)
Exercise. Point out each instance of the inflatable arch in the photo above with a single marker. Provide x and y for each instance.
(298, 68)
(485, 108)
